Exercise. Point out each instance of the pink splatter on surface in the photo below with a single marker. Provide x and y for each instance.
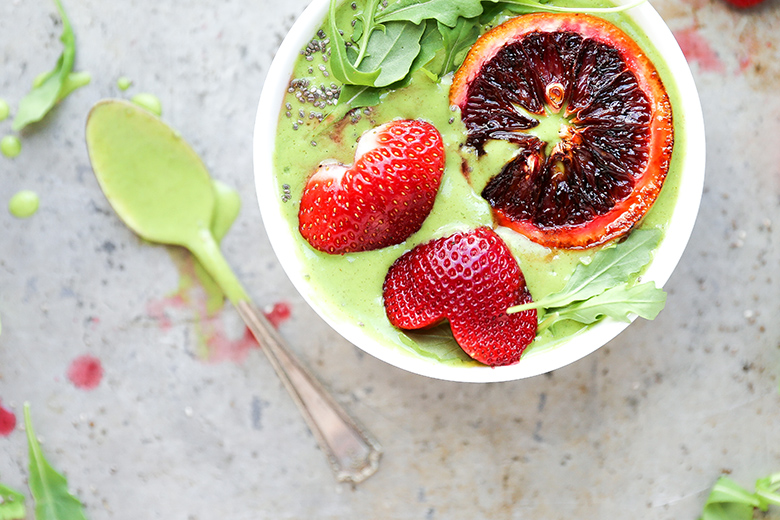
(698, 50)
(7, 421)
(85, 372)
(157, 309)
(278, 314)
(222, 348)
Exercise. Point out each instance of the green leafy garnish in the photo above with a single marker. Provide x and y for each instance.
(444, 11)
(390, 52)
(53, 86)
(48, 487)
(457, 41)
(603, 287)
(435, 343)
(388, 46)
(730, 501)
(341, 67)
(11, 504)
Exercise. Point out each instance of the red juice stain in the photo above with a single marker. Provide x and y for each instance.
(278, 314)
(7, 421)
(222, 348)
(85, 372)
(157, 310)
(698, 50)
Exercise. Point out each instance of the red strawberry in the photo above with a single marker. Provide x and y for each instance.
(380, 200)
(470, 278)
(744, 3)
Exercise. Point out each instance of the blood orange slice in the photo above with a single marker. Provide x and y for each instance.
(590, 115)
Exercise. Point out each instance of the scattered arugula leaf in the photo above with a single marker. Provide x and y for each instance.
(48, 487)
(11, 504)
(768, 490)
(53, 86)
(730, 501)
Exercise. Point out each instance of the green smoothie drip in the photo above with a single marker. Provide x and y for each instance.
(10, 146)
(24, 204)
(5, 110)
(148, 101)
(123, 83)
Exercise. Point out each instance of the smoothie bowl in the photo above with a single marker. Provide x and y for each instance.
(481, 193)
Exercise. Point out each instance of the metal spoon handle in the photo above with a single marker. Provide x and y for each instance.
(353, 454)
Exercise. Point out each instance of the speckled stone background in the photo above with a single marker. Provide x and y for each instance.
(189, 421)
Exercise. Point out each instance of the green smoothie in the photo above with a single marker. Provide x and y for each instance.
(350, 285)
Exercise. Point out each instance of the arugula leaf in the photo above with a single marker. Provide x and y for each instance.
(430, 44)
(367, 28)
(604, 288)
(644, 300)
(340, 65)
(391, 52)
(436, 343)
(54, 85)
(457, 40)
(729, 501)
(444, 11)
(11, 504)
(767, 489)
(358, 96)
(49, 488)
(610, 267)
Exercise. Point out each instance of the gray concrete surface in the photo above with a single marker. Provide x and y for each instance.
(640, 429)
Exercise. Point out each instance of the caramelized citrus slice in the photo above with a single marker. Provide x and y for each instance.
(589, 114)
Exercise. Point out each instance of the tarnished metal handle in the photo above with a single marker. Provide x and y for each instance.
(352, 452)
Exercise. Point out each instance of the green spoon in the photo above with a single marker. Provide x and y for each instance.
(160, 188)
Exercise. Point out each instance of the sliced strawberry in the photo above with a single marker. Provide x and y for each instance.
(380, 200)
(470, 278)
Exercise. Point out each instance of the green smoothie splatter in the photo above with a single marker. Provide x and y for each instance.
(10, 146)
(5, 110)
(148, 101)
(123, 83)
(24, 204)
(51, 87)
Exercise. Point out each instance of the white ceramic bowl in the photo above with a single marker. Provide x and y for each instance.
(533, 363)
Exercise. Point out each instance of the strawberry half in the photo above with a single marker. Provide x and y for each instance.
(470, 278)
(380, 200)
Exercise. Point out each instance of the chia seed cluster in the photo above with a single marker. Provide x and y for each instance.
(316, 98)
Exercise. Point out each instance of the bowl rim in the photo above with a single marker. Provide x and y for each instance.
(666, 257)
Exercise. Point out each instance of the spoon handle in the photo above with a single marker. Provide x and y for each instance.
(353, 454)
